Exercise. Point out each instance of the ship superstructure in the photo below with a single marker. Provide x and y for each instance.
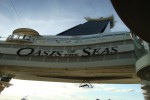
(89, 51)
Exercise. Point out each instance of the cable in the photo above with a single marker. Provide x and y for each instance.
(16, 12)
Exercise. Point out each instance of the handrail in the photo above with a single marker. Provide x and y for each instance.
(77, 39)
(141, 47)
(70, 39)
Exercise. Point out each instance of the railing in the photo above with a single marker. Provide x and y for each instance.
(141, 47)
(19, 38)
(80, 39)
(68, 39)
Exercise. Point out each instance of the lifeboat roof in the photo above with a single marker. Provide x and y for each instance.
(26, 31)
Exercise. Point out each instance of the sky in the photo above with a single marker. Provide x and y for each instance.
(35, 90)
(50, 17)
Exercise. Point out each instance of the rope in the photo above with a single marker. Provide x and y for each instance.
(16, 12)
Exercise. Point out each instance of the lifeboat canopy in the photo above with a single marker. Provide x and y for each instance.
(23, 35)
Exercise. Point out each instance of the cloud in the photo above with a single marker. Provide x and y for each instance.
(3, 19)
(48, 21)
(111, 88)
(37, 90)
(118, 90)
(50, 26)
(44, 90)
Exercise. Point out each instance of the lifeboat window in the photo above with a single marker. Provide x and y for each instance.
(15, 37)
(20, 37)
(26, 37)
(10, 36)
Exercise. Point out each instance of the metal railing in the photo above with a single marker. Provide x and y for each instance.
(80, 39)
(141, 47)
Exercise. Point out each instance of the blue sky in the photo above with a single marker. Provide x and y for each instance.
(50, 17)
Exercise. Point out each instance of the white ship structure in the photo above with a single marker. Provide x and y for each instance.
(86, 52)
